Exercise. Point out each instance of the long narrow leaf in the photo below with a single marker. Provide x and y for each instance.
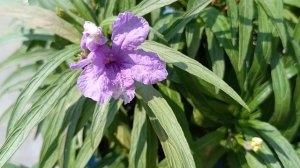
(190, 65)
(37, 80)
(167, 128)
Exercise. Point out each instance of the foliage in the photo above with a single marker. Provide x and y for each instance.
(233, 75)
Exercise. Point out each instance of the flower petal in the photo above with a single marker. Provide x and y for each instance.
(90, 27)
(123, 84)
(83, 62)
(94, 83)
(83, 41)
(97, 56)
(92, 37)
(129, 31)
(145, 67)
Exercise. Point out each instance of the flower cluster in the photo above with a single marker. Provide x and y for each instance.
(110, 72)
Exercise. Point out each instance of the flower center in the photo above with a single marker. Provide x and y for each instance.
(109, 59)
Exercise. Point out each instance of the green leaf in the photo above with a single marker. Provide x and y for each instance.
(20, 57)
(167, 128)
(274, 9)
(184, 19)
(237, 160)
(190, 65)
(294, 123)
(193, 33)
(37, 80)
(60, 126)
(232, 13)
(216, 54)
(103, 117)
(246, 16)
(36, 114)
(47, 160)
(258, 68)
(174, 100)
(144, 145)
(296, 34)
(277, 142)
(21, 74)
(253, 161)
(84, 10)
(35, 16)
(66, 136)
(220, 26)
(125, 5)
(265, 154)
(292, 2)
(282, 92)
(208, 147)
(147, 6)
(262, 92)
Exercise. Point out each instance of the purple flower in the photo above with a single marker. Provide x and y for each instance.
(92, 37)
(110, 72)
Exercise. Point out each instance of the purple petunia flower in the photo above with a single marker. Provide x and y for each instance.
(110, 72)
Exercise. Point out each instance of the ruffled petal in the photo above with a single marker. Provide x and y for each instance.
(145, 67)
(94, 83)
(121, 81)
(129, 31)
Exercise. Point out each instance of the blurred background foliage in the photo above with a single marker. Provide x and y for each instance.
(233, 75)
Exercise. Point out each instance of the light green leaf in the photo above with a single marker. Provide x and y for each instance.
(190, 65)
(262, 53)
(21, 57)
(21, 74)
(103, 117)
(143, 149)
(274, 9)
(193, 33)
(174, 100)
(167, 128)
(147, 6)
(232, 13)
(37, 80)
(47, 159)
(35, 16)
(246, 16)
(282, 92)
(35, 115)
(216, 54)
(66, 136)
(253, 161)
(294, 123)
(125, 5)
(84, 10)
